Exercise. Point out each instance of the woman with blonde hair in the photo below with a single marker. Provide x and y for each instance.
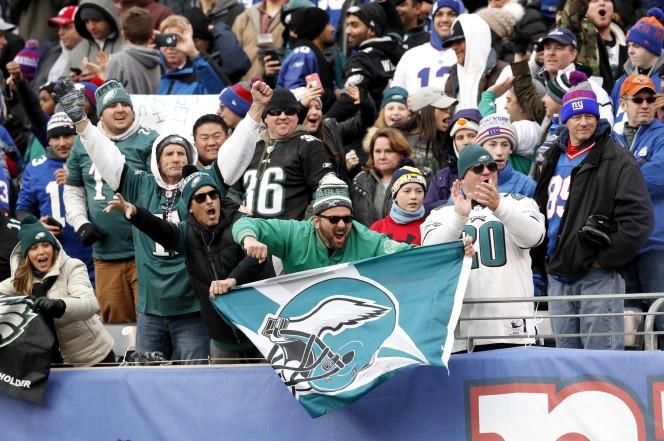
(61, 291)
(385, 148)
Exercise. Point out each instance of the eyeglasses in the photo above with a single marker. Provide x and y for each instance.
(479, 168)
(202, 197)
(289, 111)
(640, 99)
(335, 219)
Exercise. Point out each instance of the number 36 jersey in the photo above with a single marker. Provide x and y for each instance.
(282, 178)
(501, 265)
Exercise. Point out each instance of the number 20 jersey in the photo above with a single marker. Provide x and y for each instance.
(281, 179)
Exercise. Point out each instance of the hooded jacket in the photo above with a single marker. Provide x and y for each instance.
(225, 11)
(80, 333)
(481, 66)
(197, 77)
(137, 68)
(607, 182)
(90, 47)
(210, 255)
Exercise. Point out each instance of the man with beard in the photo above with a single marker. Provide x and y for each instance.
(328, 238)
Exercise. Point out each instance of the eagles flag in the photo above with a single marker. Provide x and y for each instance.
(333, 334)
(25, 349)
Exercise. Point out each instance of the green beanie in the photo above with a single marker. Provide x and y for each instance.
(470, 155)
(32, 232)
(110, 92)
(192, 180)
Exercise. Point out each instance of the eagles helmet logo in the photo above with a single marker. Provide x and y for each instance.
(328, 333)
(15, 314)
(196, 180)
(40, 235)
(109, 96)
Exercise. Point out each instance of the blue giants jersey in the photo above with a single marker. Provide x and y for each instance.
(42, 196)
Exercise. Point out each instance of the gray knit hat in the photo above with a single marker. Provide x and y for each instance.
(332, 192)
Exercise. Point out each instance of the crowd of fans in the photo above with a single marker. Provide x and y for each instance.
(531, 127)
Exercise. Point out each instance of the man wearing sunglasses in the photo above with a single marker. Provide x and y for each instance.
(287, 164)
(330, 237)
(169, 317)
(643, 135)
(503, 228)
(599, 217)
(215, 263)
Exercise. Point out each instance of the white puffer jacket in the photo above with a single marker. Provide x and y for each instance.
(82, 337)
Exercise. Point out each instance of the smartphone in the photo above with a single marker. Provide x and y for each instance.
(271, 51)
(313, 78)
(51, 221)
(166, 40)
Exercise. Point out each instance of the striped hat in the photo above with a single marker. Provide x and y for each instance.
(581, 98)
(332, 192)
(496, 126)
(560, 85)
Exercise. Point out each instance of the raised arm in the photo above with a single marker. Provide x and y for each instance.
(239, 148)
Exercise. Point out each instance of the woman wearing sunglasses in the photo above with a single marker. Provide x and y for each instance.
(407, 188)
(503, 227)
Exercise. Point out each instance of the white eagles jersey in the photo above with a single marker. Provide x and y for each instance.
(501, 266)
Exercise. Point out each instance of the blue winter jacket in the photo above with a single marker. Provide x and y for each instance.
(648, 150)
(197, 77)
(300, 62)
(513, 182)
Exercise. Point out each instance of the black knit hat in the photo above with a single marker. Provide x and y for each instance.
(200, 23)
(372, 15)
(281, 99)
(308, 22)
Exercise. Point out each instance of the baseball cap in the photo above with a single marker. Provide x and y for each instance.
(4, 26)
(562, 36)
(431, 96)
(457, 34)
(633, 84)
(65, 17)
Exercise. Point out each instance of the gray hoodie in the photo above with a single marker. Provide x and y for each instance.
(137, 68)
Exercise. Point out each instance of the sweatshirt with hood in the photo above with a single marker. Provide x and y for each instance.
(90, 47)
(137, 68)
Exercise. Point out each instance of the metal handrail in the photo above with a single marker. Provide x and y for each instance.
(650, 341)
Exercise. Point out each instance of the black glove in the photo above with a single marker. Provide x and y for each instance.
(71, 99)
(89, 233)
(597, 229)
(51, 307)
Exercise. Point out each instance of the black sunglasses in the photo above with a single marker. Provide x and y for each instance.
(479, 168)
(201, 197)
(335, 219)
(640, 99)
(289, 111)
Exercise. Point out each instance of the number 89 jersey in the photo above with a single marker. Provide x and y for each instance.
(281, 180)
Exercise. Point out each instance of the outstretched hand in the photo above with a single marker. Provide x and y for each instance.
(71, 99)
(500, 88)
(128, 209)
(462, 205)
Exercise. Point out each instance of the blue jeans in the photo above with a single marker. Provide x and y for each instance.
(646, 275)
(596, 281)
(179, 337)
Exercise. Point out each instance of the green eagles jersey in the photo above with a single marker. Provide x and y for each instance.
(81, 171)
(163, 281)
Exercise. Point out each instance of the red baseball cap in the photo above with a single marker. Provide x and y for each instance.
(65, 17)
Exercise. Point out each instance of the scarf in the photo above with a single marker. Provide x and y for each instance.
(403, 217)
(135, 126)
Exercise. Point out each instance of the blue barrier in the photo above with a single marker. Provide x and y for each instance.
(518, 394)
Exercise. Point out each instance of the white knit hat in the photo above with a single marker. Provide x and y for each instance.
(496, 126)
